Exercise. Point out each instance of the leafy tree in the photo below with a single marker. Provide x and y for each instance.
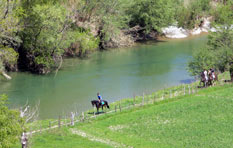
(218, 53)
(10, 124)
(8, 60)
(82, 43)
(223, 14)
(10, 24)
(46, 35)
(151, 14)
(202, 59)
(107, 16)
(219, 50)
(189, 16)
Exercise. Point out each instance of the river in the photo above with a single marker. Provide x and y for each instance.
(116, 74)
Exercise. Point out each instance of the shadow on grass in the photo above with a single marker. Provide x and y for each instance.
(96, 113)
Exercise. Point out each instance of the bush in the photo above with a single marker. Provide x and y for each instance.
(46, 36)
(151, 14)
(10, 124)
(190, 16)
(8, 58)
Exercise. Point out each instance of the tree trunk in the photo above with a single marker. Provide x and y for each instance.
(5, 75)
(231, 72)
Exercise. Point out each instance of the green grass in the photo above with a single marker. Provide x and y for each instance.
(198, 120)
(63, 139)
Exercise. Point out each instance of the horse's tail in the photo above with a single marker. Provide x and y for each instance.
(92, 102)
(107, 105)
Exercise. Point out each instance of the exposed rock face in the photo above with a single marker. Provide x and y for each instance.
(175, 32)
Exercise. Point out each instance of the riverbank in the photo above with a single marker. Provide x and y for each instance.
(116, 74)
(192, 120)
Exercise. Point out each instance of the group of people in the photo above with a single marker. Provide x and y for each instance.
(208, 76)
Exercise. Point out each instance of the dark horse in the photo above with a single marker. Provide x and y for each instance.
(98, 104)
(212, 79)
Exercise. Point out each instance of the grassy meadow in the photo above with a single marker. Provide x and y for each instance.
(203, 119)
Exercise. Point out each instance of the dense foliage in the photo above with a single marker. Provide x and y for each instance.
(8, 58)
(152, 15)
(46, 36)
(218, 53)
(42, 32)
(191, 15)
(10, 124)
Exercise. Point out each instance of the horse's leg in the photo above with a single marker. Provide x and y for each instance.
(97, 108)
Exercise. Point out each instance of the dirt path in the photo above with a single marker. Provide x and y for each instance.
(101, 140)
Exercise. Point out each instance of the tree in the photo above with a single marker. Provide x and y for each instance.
(218, 53)
(45, 36)
(10, 24)
(107, 16)
(190, 16)
(152, 14)
(8, 60)
(10, 124)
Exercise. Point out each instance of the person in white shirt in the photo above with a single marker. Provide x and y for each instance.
(206, 75)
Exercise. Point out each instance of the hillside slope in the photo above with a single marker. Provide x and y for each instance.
(198, 120)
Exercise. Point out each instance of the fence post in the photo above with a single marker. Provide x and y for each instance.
(83, 117)
(65, 121)
(154, 99)
(170, 94)
(120, 106)
(49, 124)
(59, 121)
(40, 128)
(72, 119)
(30, 131)
(133, 100)
(184, 89)
(189, 88)
(115, 108)
(143, 99)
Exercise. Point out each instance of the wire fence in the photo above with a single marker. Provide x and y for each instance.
(122, 105)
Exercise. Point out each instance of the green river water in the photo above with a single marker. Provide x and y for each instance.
(116, 74)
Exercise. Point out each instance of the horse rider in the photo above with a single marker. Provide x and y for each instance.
(213, 74)
(206, 75)
(100, 99)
